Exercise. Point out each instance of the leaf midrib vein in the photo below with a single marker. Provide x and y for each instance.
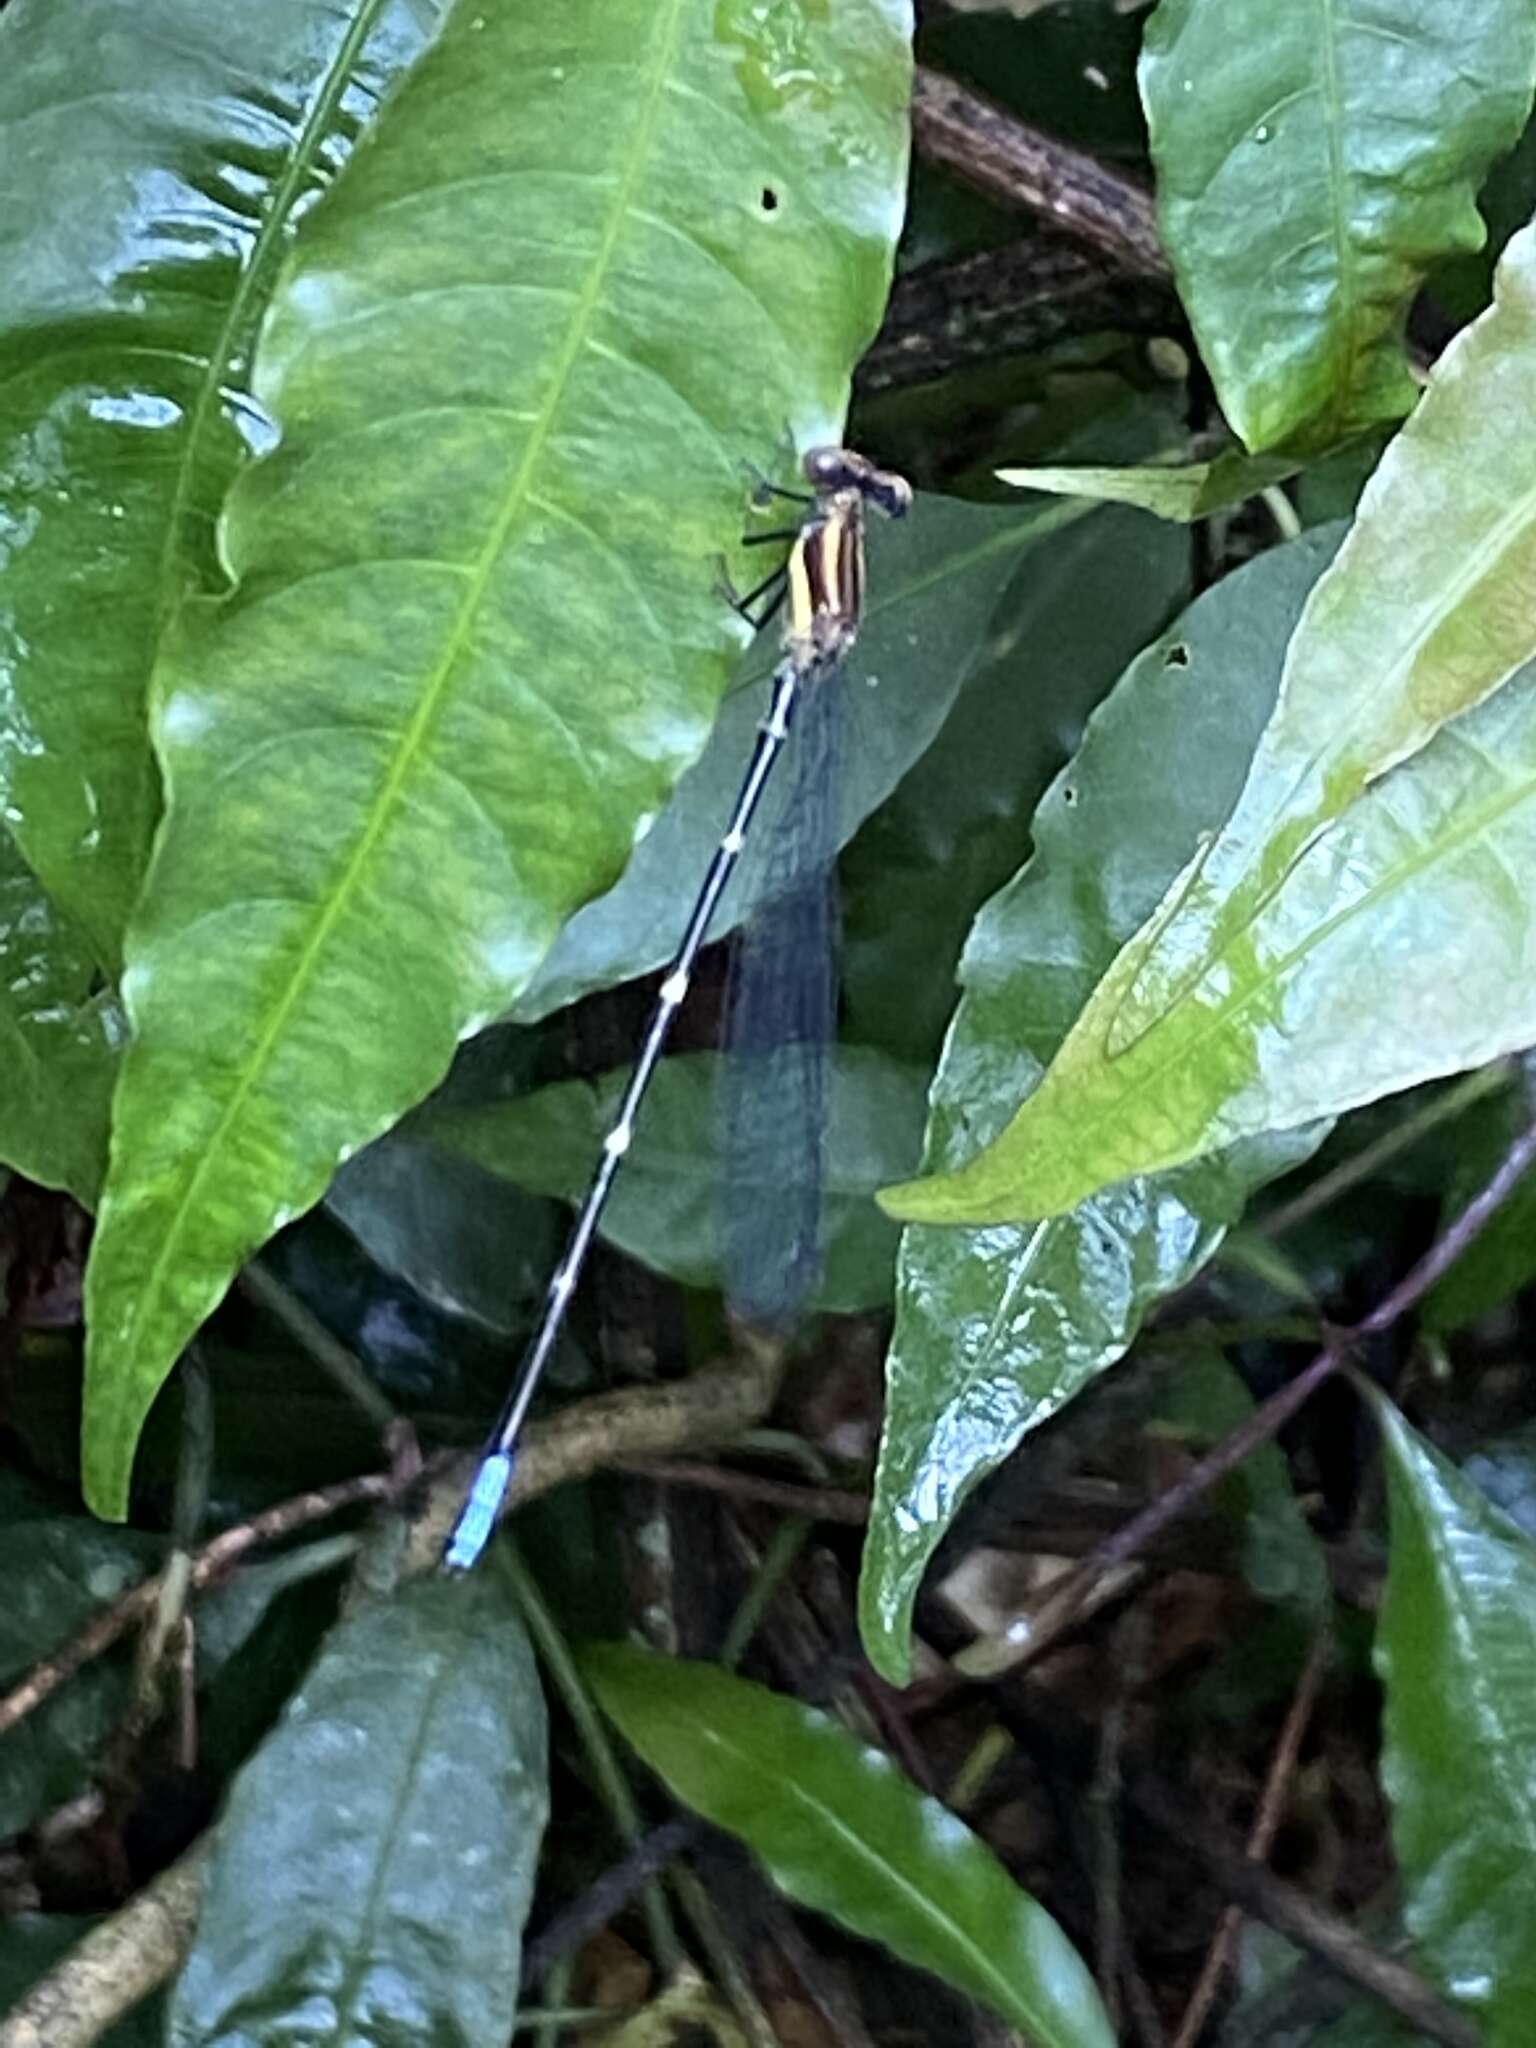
(667, 19)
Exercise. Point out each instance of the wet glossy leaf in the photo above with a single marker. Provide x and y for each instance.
(1456, 1646)
(60, 1031)
(590, 260)
(997, 1329)
(1313, 161)
(1182, 491)
(153, 174)
(388, 1906)
(666, 1205)
(841, 1830)
(1349, 932)
(913, 657)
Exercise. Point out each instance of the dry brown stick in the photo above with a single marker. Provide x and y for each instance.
(1277, 1785)
(111, 1971)
(1031, 172)
(710, 1407)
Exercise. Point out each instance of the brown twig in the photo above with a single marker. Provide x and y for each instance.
(1324, 1934)
(607, 1896)
(816, 1503)
(1277, 1785)
(1017, 300)
(1031, 172)
(109, 1972)
(1271, 1416)
(115, 1966)
(210, 1564)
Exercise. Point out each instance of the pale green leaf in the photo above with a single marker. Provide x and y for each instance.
(1357, 926)
(1181, 491)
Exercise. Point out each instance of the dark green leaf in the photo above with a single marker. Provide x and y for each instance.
(153, 172)
(1205, 1400)
(958, 825)
(374, 1864)
(1501, 1259)
(59, 1038)
(467, 1242)
(1456, 1647)
(57, 1571)
(935, 584)
(1351, 931)
(842, 1831)
(997, 1329)
(666, 1205)
(523, 345)
(1313, 161)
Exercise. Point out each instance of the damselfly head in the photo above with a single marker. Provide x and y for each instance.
(840, 469)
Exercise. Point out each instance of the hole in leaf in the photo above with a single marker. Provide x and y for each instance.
(770, 200)
(1177, 656)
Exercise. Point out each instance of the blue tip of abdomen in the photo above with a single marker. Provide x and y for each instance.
(478, 1516)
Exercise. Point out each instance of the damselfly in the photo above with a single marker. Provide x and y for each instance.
(823, 582)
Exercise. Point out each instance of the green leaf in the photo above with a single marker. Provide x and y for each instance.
(1456, 1646)
(58, 1571)
(959, 823)
(997, 1329)
(375, 1860)
(60, 1032)
(840, 1830)
(1313, 162)
(1349, 932)
(1501, 1259)
(153, 175)
(1183, 491)
(936, 580)
(465, 1241)
(666, 1208)
(523, 345)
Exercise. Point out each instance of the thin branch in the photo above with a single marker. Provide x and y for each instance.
(1311, 1926)
(115, 1966)
(1271, 1416)
(1031, 172)
(1261, 1838)
(120, 1962)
